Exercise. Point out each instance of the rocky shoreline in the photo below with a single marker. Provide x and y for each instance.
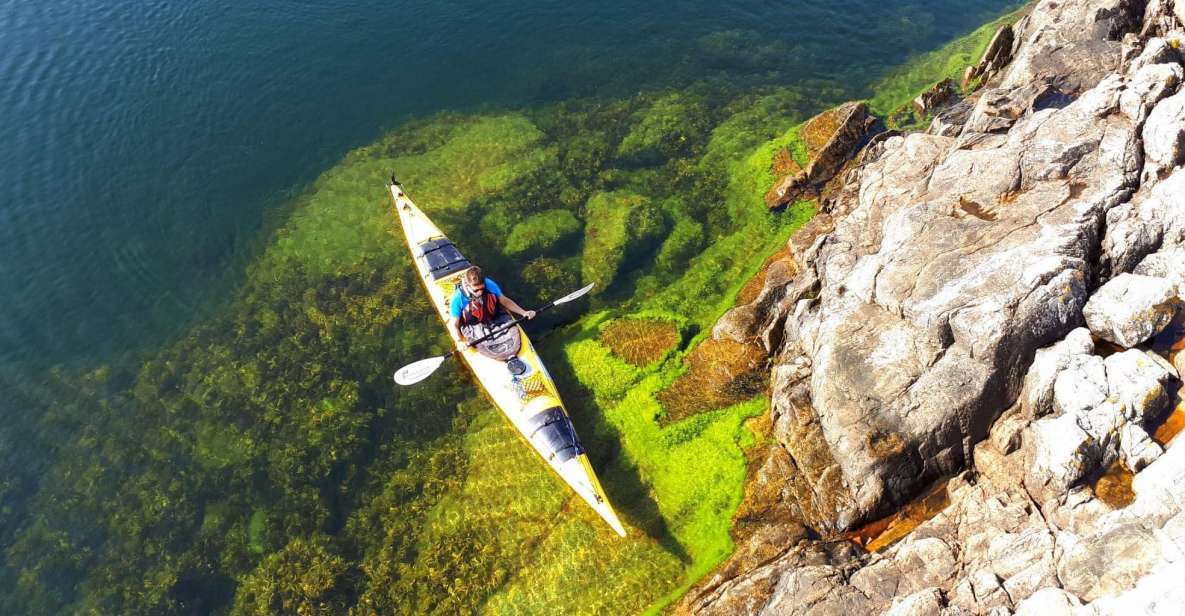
(996, 300)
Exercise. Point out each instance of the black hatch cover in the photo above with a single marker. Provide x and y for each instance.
(443, 258)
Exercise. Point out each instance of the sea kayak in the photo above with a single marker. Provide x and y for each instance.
(521, 388)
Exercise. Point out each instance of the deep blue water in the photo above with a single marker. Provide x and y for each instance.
(143, 145)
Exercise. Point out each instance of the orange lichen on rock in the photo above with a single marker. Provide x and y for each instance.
(1172, 426)
(820, 129)
(784, 163)
(884, 532)
(721, 373)
(753, 287)
(1115, 486)
(1172, 346)
(640, 341)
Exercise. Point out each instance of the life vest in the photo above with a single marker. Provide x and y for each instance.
(479, 309)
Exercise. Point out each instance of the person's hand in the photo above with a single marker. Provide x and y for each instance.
(530, 314)
(461, 345)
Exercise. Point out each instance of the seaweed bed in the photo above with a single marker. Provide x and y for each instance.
(264, 463)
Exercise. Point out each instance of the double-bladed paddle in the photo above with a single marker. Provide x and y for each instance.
(417, 371)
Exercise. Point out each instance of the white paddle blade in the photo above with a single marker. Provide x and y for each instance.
(415, 372)
(573, 295)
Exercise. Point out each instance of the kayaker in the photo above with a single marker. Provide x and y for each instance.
(477, 301)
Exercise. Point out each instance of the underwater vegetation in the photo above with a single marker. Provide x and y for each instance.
(265, 464)
(641, 341)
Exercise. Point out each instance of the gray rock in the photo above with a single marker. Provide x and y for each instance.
(1110, 562)
(1158, 18)
(1006, 432)
(1134, 230)
(996, 56)
(1078, 41)
(945, 266)
(1101, 406)
(1036, 397)
(940, 95)
(1136, 447)
(815, 590)
(950, 121)
(1130, 309)
(1153, 221)
(1164, 135)
(988, 592)
(1062, 454)
(1155, 51)
(1159, 593)
(1081, 386)
(1168, 264)
(997, 109)
(927, 561)
(926, 602)
(1049, 602)
(1148, 86)
(935, 291)
(1137, 380)
(1168, 193)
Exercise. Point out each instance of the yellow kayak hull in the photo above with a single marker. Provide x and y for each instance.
(530, 400)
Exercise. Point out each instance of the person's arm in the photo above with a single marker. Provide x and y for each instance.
(513, 308)
(455, 332)
(453, 322)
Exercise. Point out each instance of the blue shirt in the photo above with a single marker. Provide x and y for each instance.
(460, 300)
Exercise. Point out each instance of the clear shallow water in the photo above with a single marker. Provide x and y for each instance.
(143, 144)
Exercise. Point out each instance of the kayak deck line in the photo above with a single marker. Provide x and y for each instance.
(525, 393)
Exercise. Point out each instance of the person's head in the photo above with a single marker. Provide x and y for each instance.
(474, 281)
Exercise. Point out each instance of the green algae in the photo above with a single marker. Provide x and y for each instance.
(257, 530)
(304, 578)
(618, 223)
(541, 232)
(669, 129)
